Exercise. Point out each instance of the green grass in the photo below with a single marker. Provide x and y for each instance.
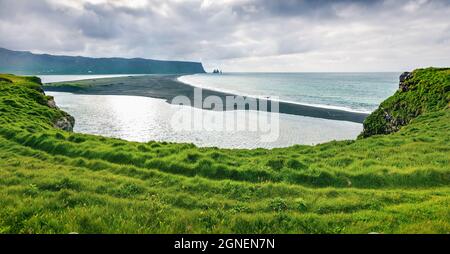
(53, 181)
(428, 91)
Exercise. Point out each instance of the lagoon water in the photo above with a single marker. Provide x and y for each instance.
(360, 92)
(144, 119)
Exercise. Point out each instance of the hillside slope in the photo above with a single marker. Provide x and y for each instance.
(420, 91)
(54, 181)
(21, 62)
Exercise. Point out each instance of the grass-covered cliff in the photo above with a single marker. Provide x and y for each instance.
(54, 181)
(420, 91)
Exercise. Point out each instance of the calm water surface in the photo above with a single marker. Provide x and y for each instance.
(143, 119)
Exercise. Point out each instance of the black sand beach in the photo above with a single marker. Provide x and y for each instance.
(167, 87)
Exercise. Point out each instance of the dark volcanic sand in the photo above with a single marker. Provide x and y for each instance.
(167, 87)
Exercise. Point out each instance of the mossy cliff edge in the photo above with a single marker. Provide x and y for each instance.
(420, 91)
(20, 93)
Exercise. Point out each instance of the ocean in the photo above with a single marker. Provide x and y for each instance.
(359, 92)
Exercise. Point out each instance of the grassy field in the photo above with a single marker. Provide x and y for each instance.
(52, 181)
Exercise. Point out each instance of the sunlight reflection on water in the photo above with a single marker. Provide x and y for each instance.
(144, 119)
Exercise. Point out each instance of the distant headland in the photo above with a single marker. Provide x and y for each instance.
(24, 62)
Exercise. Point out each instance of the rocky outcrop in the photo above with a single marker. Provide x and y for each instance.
(65, 123)
(393, 124)
(51, 103)
(403, 86)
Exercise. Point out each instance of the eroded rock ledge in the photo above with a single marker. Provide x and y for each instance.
(65, 122)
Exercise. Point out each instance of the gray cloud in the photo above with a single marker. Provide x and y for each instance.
(321, 9)
(260, 35)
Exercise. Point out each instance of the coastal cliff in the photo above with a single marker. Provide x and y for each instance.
(23, 62)
(420, 91)
(33, 87)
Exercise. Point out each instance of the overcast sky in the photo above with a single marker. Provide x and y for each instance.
(238, 35)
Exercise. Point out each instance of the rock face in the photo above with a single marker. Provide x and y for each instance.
(393, 124)
(65, 123)
(51, 103)
(404, 77)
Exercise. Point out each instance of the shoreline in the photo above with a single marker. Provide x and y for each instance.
(280, 101)
(168, 86)
(158, 114)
